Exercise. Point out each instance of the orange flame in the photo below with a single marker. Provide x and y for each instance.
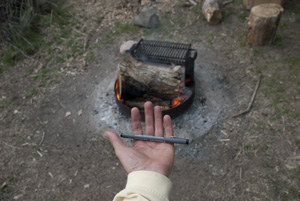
(176, 102)
(117, 91)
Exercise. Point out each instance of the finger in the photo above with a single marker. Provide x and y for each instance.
(159, 130)
(168, 126)
(114, 140)
(136, 121)
(120, 148)
(149, 122)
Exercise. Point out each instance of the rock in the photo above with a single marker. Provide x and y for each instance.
(126, 46)
(147, 18)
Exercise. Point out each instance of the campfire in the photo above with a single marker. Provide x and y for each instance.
(160, 72)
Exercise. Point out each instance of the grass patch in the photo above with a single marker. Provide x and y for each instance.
(282, 189)
(181, 3)
(7, 103)
(25, 38)
(7, 60)
(278, 42)
(32, 92)
(120, 28)
(243, 15)
(124, 28)
(283, 85)
(43, 75)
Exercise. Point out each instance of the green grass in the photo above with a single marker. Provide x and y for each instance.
(44, 102)
(32, 92)
(25, 36)
(282, 86)
(42, 75)
(197, 10)
(278, 42)
(120, 28)
(243, 15)
(181, 3)
(7, 103)
(283, 189)
(7, 60)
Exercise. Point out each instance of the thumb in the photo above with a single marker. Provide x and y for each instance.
(114, 139)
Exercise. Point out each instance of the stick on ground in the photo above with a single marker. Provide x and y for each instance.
(252, 98)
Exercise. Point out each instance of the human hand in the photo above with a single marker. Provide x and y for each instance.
(146, 155)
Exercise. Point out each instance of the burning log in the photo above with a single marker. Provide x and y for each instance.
(136, 79)
(165, 104)
(212, 12)
(263, 23)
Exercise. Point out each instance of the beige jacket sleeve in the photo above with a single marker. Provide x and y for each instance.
(145, 186)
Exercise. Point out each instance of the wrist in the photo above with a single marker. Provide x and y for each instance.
(160, 169)
(156, 185)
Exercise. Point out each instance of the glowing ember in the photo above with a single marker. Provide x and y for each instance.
(174, 103)
(117, 92)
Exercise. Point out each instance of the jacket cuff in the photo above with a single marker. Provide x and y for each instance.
(150, 183)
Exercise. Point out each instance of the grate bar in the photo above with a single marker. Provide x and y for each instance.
(157, 51)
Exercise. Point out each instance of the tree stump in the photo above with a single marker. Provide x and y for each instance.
(263, 23)
(137, 79)
(212, 12)
(251, 3)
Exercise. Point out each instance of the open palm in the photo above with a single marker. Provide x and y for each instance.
(145, 155)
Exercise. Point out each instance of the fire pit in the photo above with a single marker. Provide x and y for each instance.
(166, 55)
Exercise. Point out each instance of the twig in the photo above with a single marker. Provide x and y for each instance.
(23, 53)
(42, 140)
(193, 2)
(61, 104)
(10, 145)
(241, 173)
(252, 98)
(27, 41)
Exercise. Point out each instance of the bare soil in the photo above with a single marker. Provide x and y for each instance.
(55, 108)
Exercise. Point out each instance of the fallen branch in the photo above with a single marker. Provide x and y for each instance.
(252, 99)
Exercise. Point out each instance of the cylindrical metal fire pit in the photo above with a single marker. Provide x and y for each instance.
(165, 53)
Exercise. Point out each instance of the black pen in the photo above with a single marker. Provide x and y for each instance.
(172, 140)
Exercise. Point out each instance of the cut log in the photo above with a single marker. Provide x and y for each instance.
(165, 105)
(263, 23)
(212, 12)
(251, 3)
(136, 79)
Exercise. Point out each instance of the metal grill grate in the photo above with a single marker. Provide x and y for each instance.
(161, 52)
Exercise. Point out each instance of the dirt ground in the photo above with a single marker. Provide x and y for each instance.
(56, 105)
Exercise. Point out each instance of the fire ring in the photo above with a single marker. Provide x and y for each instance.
(164, 53)
(173, 112)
